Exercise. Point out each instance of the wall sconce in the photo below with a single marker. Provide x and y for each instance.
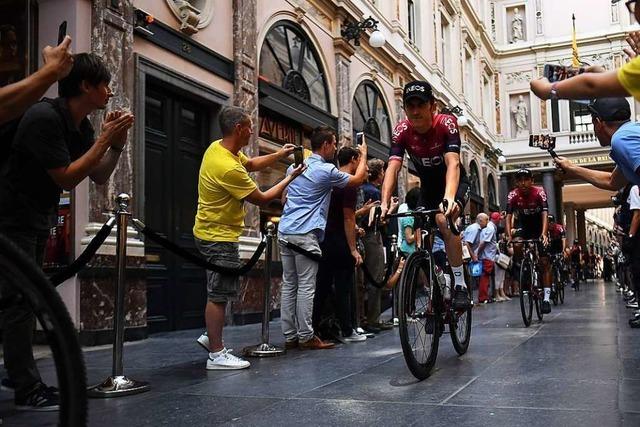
(353, 31)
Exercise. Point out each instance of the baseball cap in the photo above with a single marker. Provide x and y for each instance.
(495, 216)
(524, 172)
(417, 89)
(610, 109)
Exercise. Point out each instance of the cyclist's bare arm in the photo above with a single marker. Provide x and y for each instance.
(452, 160)
(389, 183)
(508, 225)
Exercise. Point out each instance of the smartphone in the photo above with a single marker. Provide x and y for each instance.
(556, 73)
(545, 142)
(62, 31)
(298, 155)
(359, 138)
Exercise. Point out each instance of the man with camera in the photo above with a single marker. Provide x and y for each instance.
(224, 185)
(302, 229)
(54, 148)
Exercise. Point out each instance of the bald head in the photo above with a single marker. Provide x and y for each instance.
(482, 219)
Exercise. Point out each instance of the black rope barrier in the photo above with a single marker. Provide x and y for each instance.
(387, 274)
(169, 245)
(80, 262)
(311, 255)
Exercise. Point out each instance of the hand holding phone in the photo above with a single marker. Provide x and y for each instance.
(298, 155)
(62, 32)
(556, 73)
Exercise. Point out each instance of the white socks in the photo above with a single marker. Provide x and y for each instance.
(458, 276)
(547, 294)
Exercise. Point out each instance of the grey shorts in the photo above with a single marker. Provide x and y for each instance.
(221, 288)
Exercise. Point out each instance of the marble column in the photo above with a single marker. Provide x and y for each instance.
(245, 87)
(343, 53)
(570, 226)
(504, 191)
(581, 227)
(112, 40)
(550, 188)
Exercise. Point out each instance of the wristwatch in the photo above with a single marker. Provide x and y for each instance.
(553, 94)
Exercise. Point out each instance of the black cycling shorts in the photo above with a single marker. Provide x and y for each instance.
(432, 193)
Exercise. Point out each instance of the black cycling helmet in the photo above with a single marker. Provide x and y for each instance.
(524, 172)
(551, 218)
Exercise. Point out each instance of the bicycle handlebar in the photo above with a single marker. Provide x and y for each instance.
(427, 213)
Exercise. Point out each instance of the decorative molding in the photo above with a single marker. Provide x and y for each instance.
(375, 64)
(518, 77)
(307, 8)
(193, 15)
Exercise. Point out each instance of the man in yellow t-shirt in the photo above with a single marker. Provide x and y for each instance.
(622, 82)
(224, 185)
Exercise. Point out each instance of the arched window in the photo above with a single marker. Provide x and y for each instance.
(369, 114)
(474, 178)
(289, 59)
(491, 191)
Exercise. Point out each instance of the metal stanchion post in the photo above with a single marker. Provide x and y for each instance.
(265, 349)
(118, 384)
(394, 294)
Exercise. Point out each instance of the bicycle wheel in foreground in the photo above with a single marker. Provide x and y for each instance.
(526, 291)
(419, 314)
(22, 275)
(460, 329)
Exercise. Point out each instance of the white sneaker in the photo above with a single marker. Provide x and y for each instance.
(203, 341)
(396, 321)
(354, 337)
(224, 360)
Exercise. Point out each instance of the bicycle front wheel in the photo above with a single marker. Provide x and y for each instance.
(460, 328)
(419, 315)
(526, 290)
(26, 281)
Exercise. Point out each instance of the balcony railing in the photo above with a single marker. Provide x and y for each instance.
(582, 137)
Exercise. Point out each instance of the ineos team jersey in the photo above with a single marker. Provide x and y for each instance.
(527, 208)
(427, 150)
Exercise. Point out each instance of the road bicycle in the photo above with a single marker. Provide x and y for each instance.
(531, 293)
(559, 269)
(425, 305)
(23, 280)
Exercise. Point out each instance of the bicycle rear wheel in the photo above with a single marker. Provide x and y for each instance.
(20, 274)
(460, 329)
(419, 315)
(561, 292)
(538, 303)
(526, 291)
(555, 292)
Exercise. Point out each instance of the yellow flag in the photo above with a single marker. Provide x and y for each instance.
(574, 46)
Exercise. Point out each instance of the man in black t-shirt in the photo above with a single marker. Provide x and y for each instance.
(339, 253)
(53, 149)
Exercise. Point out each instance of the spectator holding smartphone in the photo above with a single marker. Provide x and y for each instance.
(54, 148)
(622, 82)
(17, 97)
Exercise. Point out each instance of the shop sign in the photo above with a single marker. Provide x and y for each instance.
(278, 131)
(592, 160)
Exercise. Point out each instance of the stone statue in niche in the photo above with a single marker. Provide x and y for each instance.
(517, 33)
(520, 115)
